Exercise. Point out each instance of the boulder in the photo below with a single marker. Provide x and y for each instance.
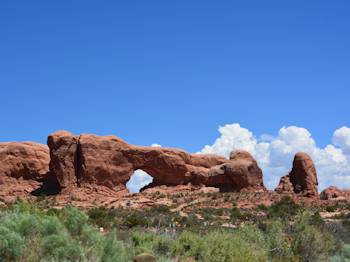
(24, 160)
(240, 172)
(302, 179)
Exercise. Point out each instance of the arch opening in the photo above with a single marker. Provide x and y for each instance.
(138, 180)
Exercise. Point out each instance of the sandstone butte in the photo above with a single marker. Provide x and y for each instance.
(70, 163)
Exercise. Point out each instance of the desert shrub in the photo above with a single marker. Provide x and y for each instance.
(262, 207)
(24, 224)
(222, 246)
(284, 209)
(242, 245)
(102, 216)
(252, 235)
(50, 226)
(61, 247)
(161, 245)
(73, 219)
(330, 208)
(135, 219)
(342, 255)
(279, 246)
(189, 245)
(21, 206)
(310, 242)
(11, 244)
(212, 211)
(160, 209)
(191, 221)
(235, 214)
(110, 249)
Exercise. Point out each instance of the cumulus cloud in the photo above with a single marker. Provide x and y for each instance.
(275, 153)
(138, 180)
(341, 138)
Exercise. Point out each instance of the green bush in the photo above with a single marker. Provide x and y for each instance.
(61, 248)
(110, 249)
(235, 214)
(11, 244)
(73, 219)
(161, 245)
(28, 233)
(331, 208)
(225, 247)
(278, 242)
(189, 245)
(135, 219)
(102, 216)
(285, 209)
(342, 255)
(310, 242)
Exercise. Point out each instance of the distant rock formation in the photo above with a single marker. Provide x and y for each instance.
(110, 161)
(85, 161)
(302, 179)
(334, 193)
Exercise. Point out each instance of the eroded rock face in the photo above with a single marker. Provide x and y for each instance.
(63, 154)
(285, 185)
(240, 172)
(303, 175)
(25, 160)
(110, 161)
(302, 179)
(23, 167)
(334, 193)
(103, 160)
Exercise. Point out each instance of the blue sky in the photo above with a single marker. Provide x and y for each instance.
(171, 72)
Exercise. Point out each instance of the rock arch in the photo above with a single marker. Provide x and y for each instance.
(110, 161)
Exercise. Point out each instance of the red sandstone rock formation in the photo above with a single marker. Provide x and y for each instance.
(63, 158)
(285, 186)
(334, 193)
(23, 166)
(24, 160)
(240, 172)
(110, 161)
(302, 179)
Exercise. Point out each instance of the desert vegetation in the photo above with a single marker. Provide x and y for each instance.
(282, 232)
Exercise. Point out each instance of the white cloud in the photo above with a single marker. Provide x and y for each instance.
(275, 153)
(341, 138)
(138, 180)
